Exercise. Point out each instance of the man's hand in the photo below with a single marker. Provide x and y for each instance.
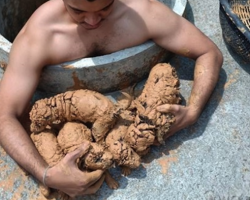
(184, 116)
(66, 176)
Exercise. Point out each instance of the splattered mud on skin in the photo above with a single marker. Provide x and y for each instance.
(184, 52)
(199, 71)
(81, 105)
(195, 97)
(194, 100)
(3, 65)
(162, 87)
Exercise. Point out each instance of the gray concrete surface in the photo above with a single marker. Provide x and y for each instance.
(209, 160)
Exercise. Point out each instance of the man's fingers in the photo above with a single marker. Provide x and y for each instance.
(94, 176)
(166, 108)
(79, 152)
(95, 186)
(170, 108)
(168, 134)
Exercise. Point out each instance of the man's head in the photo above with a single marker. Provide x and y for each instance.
(89, 13)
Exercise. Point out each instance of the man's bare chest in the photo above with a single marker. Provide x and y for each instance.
(106, 43)
(75, 45)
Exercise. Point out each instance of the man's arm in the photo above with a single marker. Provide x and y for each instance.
(29, 53)
(181, 37)
(17, 86)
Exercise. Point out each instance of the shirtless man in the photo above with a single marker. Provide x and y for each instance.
(64, 30)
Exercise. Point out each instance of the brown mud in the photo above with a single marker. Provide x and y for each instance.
(119, 135)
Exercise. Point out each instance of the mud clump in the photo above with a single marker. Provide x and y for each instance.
(81, 105)
(72, 135)
(54, 146)
(122, 152)
(118, 135)
(162, 87)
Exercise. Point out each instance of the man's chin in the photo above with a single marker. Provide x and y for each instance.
(90, 27)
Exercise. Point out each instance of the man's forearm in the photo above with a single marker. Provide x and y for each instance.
(206, 75)
(20, 147)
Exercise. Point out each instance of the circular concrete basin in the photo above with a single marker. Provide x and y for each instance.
(106, 73)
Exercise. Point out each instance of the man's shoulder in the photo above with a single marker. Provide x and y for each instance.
(137, 4)
(47, 13)
(43, 22)
(39, 29)
(146, 7)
